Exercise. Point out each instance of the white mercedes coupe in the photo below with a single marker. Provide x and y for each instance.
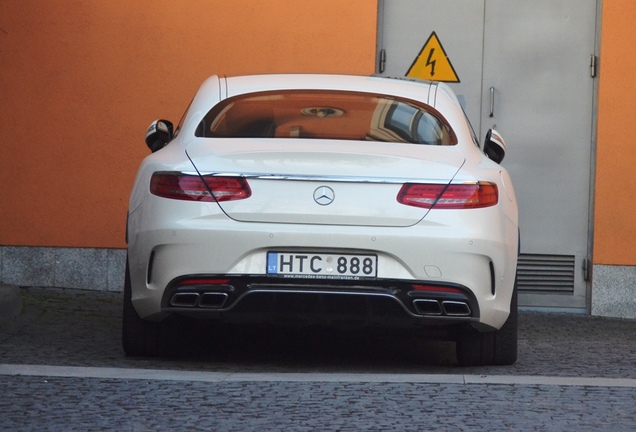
(324, 199)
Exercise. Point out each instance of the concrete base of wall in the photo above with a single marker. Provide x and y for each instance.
(82, 268)
(614, 291)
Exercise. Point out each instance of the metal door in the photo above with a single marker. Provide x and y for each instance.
(528, 68)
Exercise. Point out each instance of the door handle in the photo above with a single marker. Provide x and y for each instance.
(492, 101)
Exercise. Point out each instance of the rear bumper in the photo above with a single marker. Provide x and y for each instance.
(257, 298)
(479, 262)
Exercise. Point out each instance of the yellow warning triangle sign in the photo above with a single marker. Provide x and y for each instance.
(432, 63)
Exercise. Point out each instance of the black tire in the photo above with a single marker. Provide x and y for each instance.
(139, 337)
(498, 347)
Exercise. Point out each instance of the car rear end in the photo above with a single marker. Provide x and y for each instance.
(244, 224)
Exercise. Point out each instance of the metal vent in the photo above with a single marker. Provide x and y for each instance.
(546, 273)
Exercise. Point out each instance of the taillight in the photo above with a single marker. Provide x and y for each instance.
(175, 185)
(454, 196)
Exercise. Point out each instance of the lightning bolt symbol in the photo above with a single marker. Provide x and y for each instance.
(431, 62)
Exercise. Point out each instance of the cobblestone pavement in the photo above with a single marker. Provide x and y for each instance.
(82, 328)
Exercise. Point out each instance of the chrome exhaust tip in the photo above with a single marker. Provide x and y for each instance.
(455, 308)
(214, 300)
(427, 307)
(184, 299)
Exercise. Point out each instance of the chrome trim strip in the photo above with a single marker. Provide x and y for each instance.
(317, 178)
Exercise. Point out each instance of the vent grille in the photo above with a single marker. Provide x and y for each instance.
(546, 273)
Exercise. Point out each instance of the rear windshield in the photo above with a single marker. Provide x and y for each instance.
(334, 115)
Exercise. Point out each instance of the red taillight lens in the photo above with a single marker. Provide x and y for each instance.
(175, 185)
(454, 196)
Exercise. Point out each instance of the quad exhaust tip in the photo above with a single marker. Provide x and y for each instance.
(428, 307)
(456, 308)
(184, 300)
(432, 307)
(211, 300)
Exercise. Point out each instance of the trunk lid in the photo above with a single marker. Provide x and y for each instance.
(325, 182)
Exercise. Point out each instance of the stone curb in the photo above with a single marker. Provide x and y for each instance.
(10, 302)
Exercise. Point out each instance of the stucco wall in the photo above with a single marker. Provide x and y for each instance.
(615, 191)
(80, 80)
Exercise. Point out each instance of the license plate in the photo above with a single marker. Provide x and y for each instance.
(322, 266)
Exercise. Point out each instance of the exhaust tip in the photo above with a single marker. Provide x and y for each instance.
(214, 300)
(184, 300)
(427, 307)
(456, 308)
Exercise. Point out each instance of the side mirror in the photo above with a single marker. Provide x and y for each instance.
(159, 133)
(494, 146)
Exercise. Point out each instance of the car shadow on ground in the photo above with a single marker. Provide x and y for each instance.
(81, 328)
(308, 347)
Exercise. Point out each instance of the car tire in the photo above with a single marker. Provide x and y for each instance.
(499, 347)
(139, 337)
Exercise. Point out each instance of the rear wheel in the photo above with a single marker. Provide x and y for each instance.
(497, 347)
(139, 337)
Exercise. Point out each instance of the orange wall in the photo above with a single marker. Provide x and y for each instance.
(80, 80)
(615, 192)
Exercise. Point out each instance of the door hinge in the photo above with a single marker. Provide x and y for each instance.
(593, 59)
(586, 270)
(381, 61)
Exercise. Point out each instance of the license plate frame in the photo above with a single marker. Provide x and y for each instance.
(320, 265)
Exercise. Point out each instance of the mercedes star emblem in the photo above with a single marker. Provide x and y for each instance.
(324, 195)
